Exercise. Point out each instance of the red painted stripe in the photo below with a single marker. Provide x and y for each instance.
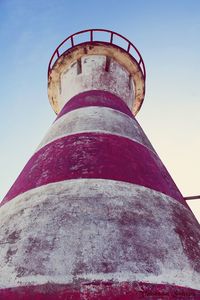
(95, 98)
(93, 155)
(100, 291)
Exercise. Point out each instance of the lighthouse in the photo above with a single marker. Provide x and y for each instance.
(95, 214)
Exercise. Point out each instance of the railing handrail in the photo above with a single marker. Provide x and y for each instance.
(91, 39)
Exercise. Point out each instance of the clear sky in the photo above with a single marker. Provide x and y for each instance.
(167, 35)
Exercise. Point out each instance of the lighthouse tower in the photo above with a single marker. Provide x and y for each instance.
(94, 214)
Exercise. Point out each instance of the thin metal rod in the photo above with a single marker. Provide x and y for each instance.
(111, 38)
(192, 197)
(72, 41)
(91, 35)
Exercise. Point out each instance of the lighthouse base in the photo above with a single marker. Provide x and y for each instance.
(100, 291)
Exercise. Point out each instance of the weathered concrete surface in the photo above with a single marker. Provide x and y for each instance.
(91, 218)
(94, 213)
(95, 155)
(98, 290)
(96, 119)
(88, 230)
(95, 98)
(65, 81)
(93, 76)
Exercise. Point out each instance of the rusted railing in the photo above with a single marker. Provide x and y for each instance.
(91, 38)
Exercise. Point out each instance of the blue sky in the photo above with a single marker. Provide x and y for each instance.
(167, 35)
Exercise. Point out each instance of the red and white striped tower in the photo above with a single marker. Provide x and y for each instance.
(95, 214)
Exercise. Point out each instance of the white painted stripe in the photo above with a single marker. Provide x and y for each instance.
(65, 83)
(96, 119)
(94, 229)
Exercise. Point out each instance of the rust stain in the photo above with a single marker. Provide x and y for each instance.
(98, 48)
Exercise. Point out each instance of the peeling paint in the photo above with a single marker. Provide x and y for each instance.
(117, 80)
(94, 213)
(94, 77)
(92, 229)
(95, 98)
(96, 119)
(95, 155)
(99, 290)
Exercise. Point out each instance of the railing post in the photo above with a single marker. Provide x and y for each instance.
(91, 36)
(72, 41)
(111, 38)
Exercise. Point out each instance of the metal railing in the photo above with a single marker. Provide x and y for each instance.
(71, 40)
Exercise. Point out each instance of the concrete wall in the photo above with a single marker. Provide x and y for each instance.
(96, 204)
